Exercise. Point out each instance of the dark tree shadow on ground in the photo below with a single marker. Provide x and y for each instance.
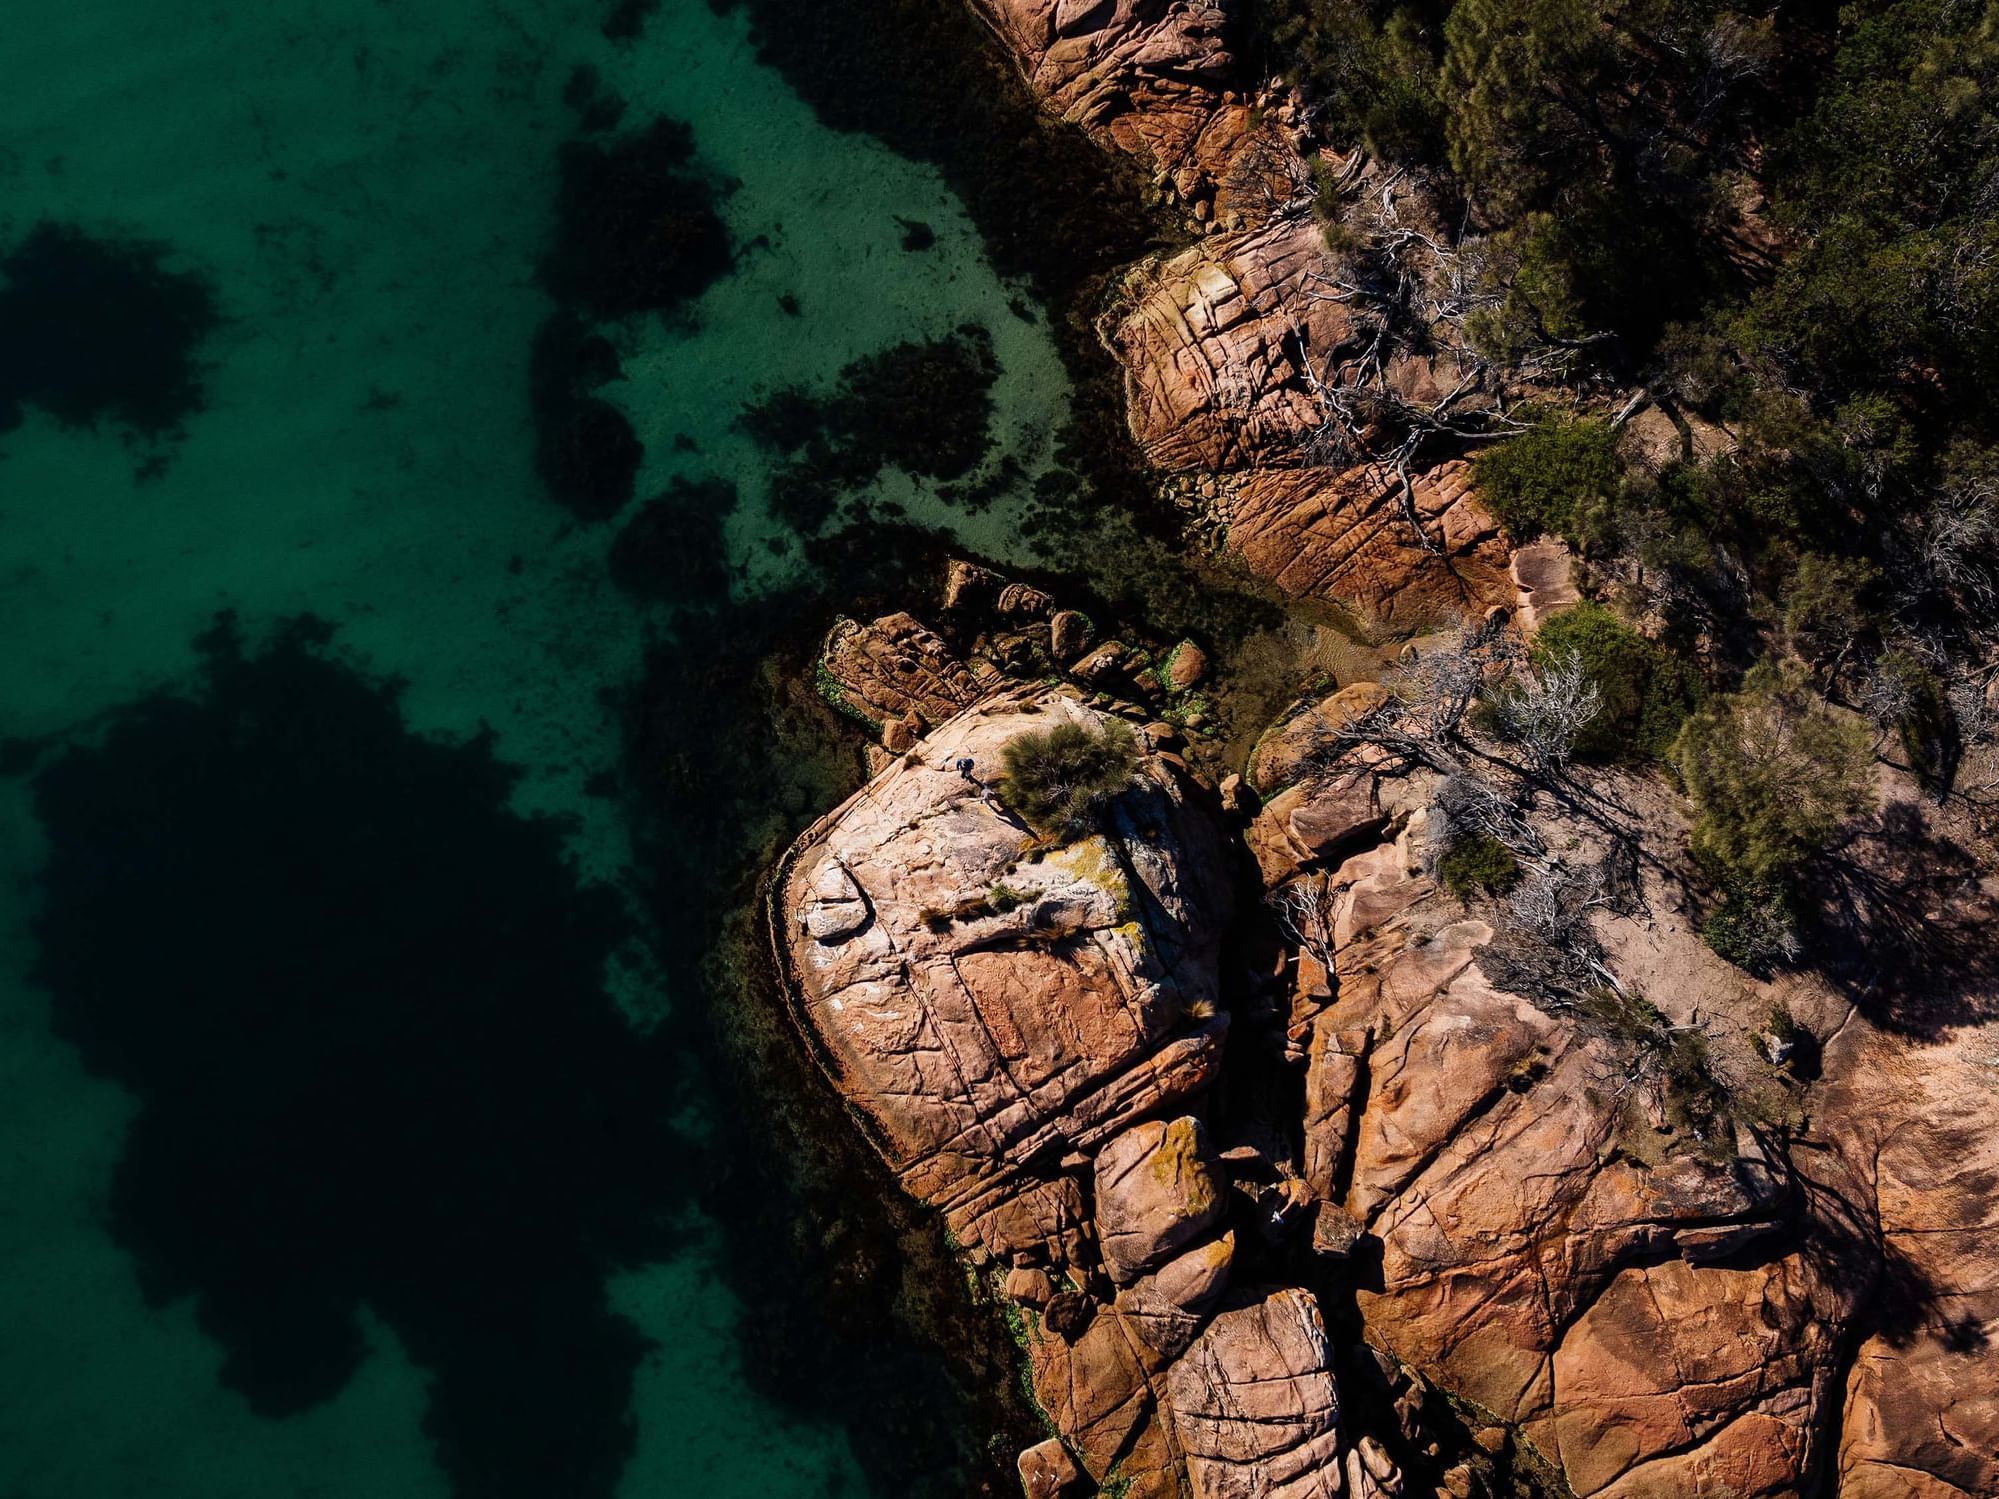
(1904, 929)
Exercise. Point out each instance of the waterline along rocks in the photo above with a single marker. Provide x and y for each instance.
(1381, 1123)
(1634, 1285)
(1254, 361)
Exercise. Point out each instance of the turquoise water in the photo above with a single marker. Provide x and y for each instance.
(365, 192)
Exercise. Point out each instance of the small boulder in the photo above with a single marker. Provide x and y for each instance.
(1068, 1313)
(1029, 1287)
(967, 586)
(1280, 756)
(1020, 601)
(1166, 1310)
(1101, 665)
(1186, 667)
(1046, 1470)
(1068, 634)
(1335, 1231)
(893, 667)
(1235, 798)
(1158, 1188)
(1371, 1473)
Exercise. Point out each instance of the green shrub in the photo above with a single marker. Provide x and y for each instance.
(1647, 691)
(1480, 863)
(1822, 608)
(1773, 776)
(1754, 927)
(1560, 477)
(1056, 780)
(1370, 67)
(1003, 898)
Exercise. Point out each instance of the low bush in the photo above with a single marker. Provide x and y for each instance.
(1754, 927)
(1773, 775)
(1561, 477)
(1478, 864)
(1646, 691)
(1056, 780)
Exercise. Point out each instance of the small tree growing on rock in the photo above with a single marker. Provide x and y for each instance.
(1058, 779)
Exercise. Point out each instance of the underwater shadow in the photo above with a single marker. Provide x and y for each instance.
(95, 329)
(359, 1004)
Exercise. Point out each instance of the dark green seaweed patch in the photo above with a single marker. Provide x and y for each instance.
(585, 449)
(626, 20)
(673, 548)
(359, 1005)
(636, 227)
(96, 329)
(596, 108)
(923, 407)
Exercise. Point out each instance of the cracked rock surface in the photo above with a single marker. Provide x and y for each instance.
(1658, 1316)
(1346, 535)
(1153, 80)
(1020, 1025)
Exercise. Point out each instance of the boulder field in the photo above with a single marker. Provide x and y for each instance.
(1342, 1213)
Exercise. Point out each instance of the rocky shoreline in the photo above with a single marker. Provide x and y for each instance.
(1294, 1179)
(1300, 1168)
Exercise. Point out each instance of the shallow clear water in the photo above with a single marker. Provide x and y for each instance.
(367, 189)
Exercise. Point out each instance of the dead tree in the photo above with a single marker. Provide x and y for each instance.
(1547, 707)
(1303, 910)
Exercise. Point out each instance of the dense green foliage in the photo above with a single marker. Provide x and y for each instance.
(1753, 927)
(1056, 780)
(1742, 259)
(1773, 775)
(1647, 692)
(1561, 476)
(1478, 864)
(1779, 216)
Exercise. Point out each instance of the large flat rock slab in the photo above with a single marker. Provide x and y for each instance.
(983, 998)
